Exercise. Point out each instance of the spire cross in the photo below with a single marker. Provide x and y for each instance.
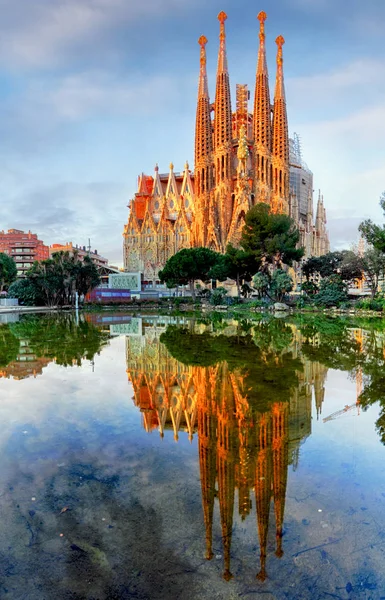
(202, 41)
(262, 16)
(280, 42)
(222, 18)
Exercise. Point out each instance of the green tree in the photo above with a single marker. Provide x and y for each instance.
(372, 233)
(26, 291)
(309, 287)
(271, 238)
(373, 266)
(281, 284)
(190, 265)
(332, 291)
(261, 282)
(57, 279)
(344, 263)
(8, 271)
(235, 264)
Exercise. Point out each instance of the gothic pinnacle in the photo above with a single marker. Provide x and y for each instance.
(262, 112)
(279, 85)
(203, 87)
(222, 58)
(262, 16)
(262, 66)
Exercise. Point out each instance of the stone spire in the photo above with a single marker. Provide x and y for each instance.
(319, 213)
(222, 206)
(203, 137)
(262, 114)
(280, 158)
(203, 148)
(222, 110)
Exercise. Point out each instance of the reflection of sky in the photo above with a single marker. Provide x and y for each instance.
(72, 437)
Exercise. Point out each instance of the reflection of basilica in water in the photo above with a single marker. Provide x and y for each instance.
(240, 447)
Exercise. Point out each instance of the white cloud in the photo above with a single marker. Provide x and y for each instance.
(80, 96)
(39, 33)
(71, 211)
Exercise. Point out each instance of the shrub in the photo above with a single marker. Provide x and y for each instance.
(218, 296)
(281, 284)
(369, 304)
(332, 292)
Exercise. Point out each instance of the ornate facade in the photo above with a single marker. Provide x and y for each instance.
(241, 158)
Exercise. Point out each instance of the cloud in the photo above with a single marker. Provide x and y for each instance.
(45, 33)
(71, 211)
(347, 87)
(99, 93)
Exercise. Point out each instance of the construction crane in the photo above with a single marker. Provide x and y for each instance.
(344, 410)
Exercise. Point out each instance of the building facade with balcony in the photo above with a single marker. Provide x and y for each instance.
(24, 247)
(81, 252)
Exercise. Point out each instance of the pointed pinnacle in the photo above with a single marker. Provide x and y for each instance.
(280, 42)
(202, 41)
(222, 60)
(262, 16)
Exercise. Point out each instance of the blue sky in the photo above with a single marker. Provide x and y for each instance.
(92, 92)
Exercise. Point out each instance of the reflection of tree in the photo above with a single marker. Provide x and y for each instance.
(268, 376)
(30, 344)
(274, 335)
(355, 345)
(9, 346)
(61, 338)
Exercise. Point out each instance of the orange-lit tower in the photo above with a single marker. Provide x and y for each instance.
(222, 145)
(280, 148)
(262, 121)
(203, 150)
(262, 485)
(280, 420)
(227, 451)
(207, 445)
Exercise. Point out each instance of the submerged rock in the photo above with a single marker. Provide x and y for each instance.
(280, 306)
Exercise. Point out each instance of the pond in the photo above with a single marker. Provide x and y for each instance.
(169, 457)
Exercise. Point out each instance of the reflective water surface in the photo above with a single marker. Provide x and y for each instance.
(159, 457)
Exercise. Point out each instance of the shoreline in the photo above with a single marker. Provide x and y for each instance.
(204, 309)
(27, 309)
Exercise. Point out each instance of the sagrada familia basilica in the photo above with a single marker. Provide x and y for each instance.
(241, 158)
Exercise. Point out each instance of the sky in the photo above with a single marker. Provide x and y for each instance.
(93, 92)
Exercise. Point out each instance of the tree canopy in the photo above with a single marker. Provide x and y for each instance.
(8, 271)
(373, 266)
(374, 234)
(55, 281)
(190, 265)
(271, 238)
(235, 264)
(345, 263)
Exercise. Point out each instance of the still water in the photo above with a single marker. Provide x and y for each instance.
(159, 457)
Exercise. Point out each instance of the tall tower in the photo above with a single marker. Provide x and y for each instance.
(222, 140)
(203, 151)
(280, 154)
(262, 120)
